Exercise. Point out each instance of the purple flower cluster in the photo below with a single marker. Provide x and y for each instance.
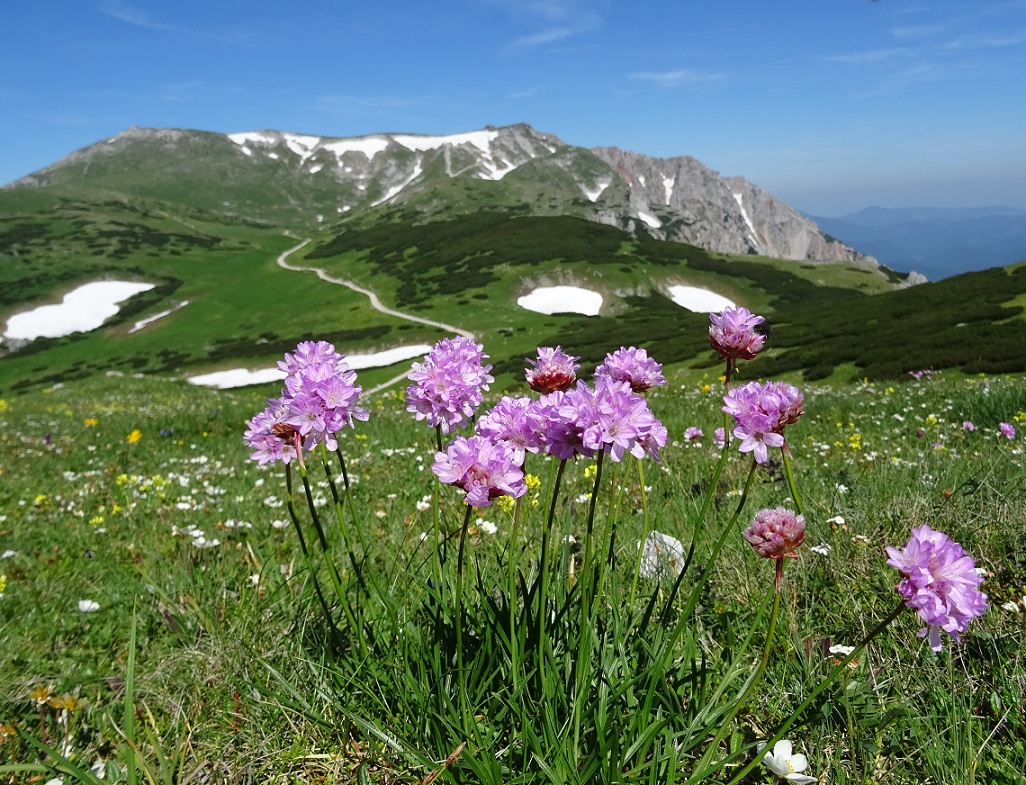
(776, 534)
(482, 468)
(1007, 430)
(508, 422)
(449, 384)
(692, 433)
(318, 401)
(609, 418)
(553, 371)
(634, 366)
(940, 582)
(732, 334)
(761, 411)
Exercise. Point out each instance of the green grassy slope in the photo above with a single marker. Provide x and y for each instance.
(243, 310)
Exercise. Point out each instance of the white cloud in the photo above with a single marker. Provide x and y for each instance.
(130, 15)
(871, 56)
(676, 78)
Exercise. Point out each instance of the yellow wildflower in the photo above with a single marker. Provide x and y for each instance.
(91, 421)
(3, 406)
(134, 436)
(3, 584)
(533, 482)
(96, 520)
(41, 694)
(590, 471)
(506, 503)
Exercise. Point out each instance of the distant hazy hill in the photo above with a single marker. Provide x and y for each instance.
(938, 242)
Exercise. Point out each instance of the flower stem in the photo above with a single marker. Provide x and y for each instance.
(786, 453)
(460, 664)
(753, 682)
(831, 677)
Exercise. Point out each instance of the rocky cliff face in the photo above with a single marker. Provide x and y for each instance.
(291, 178)
(682, 199)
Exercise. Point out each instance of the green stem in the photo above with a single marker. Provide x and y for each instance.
(753, 682)
(838, 670)
(696, 591)
(789, 472)
(460, 664)
(644, 532)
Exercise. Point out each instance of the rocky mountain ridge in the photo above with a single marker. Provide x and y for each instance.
(289, 178)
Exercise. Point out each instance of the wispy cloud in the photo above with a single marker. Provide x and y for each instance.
(369, 105)
(677, 78)
(907, 32)
(137, 17)
(131, 15)
(870, 56)
(527, 92)
(557, 20)
(988, 41)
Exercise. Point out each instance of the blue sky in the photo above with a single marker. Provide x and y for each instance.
(831, 105)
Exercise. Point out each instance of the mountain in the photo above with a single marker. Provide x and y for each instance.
(939, 242)
(302, 181)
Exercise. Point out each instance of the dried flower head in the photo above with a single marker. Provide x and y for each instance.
(553, 371)
(776, 534)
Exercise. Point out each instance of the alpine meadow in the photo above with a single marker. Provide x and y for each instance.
(488, 458)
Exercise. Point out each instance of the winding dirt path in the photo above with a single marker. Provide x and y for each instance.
(375, 302)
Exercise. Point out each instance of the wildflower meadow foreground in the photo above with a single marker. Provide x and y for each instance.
(619, 576)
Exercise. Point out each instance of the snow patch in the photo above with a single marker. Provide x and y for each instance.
(246, 150)
(600, 185)
(151, 319)
(255, 137)
(649, 219)
(699, 300)
(242, 377)
(482, 140)
(82, 309)
(417, 170)
(370, 146)
(562, 299)
(748, 221)
(668, 183)
(273, 155)
(315, 168)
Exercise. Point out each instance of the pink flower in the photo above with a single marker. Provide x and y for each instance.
(634, 366)
(553, 371)
(1007, 430)
(776, 534)
(761, 412)
(484, 469)
(968, 426)
(940, 582)
(692, 433)
(733, 335)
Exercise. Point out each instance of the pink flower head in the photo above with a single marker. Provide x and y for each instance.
(732, 333)
(1007, 430)
(968, 426)
(319, 400)
(761, 411)
(484, 469)
(691, 433)
(553, 371)
(940, 582)
(776, 534)
(449, 384)
(508, 423)
(633, 366)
